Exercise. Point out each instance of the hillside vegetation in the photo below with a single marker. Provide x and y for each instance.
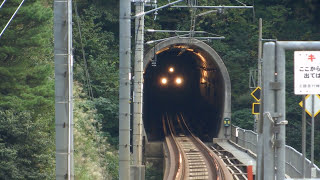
(27, 129)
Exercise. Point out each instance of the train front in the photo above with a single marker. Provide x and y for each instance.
(172, 80)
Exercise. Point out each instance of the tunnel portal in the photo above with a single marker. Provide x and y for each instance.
(186, 76)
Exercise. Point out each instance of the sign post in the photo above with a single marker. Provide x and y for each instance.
(307, 81)
(312, 107)
(304, 134)
(312, 132)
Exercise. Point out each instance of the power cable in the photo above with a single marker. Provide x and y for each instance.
(88, 81)
(90, 92)
(253, 10)
(2, 3)
(98, 139)
(11, 17)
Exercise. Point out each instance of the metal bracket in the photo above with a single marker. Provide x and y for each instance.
(275, 85)
(268, 114)
(284, 122)
(277, 143)
(276, 129)
(274, 117)
(272, 40)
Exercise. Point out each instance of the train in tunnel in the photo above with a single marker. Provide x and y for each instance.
(186, 76)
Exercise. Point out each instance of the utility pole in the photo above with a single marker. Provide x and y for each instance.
(259, 53)
(124, 88)
(137, 172)
(257, 123)
(259, 118)
(268, 173)
(63, 60)
(138, 80)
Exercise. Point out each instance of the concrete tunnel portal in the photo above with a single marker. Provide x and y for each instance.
(202, 95)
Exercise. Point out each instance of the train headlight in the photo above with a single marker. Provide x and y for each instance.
(178, 80)
(171, 69)
(164, 81)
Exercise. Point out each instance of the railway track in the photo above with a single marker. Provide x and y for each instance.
(189, 157)
(237, 170)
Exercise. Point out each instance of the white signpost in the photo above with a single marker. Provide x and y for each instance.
(307, 81)
(306, 72)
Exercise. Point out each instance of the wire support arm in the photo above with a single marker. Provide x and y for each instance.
(205, 13)
(158, 40)
(184, 37)
(156, 9)
(172, 31)
(216, 7)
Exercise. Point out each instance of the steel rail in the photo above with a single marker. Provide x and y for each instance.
(215, 166)
(174, 168)
(196, 160)
(233, 167)
(181, 164)
(171, 165)
(240, 173)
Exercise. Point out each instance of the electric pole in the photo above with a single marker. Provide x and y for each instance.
(259, 118)
(124, 89)
(63, 60)
(138, 81)
(137, 167)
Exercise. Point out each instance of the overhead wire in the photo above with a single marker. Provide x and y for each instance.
(85, 62)
(90, 92)
(2, 3)
(11, 17)
(241, 2)
(253, 10)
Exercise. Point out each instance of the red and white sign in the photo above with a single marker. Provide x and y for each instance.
(307, 72)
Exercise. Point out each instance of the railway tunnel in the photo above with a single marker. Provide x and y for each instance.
(189, 77)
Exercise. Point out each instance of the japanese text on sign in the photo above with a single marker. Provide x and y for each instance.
(307, 72)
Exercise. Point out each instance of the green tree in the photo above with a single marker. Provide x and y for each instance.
(26, 146)
(27, 92)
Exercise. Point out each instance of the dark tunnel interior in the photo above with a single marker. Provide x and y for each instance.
(183, 80)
